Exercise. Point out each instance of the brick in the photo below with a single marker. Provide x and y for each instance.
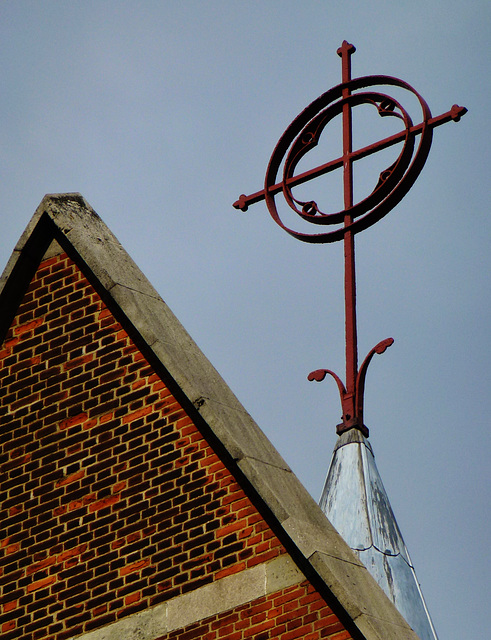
(28, 326)
(73, 477)
(10, 606)
(74, 420)
(70, 553)
(40, 584)
(135, 415)
(104, 503)
(234, 568)
(132, 598)
(134, 567)
(12, 548)
(38, 566)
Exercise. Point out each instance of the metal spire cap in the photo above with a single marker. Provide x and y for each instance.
(356, 503)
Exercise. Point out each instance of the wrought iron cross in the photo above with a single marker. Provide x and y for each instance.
(394, 182)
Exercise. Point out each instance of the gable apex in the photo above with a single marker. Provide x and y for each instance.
(67, 222)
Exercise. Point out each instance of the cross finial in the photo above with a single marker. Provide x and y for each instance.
(346, 49)
(301, 136)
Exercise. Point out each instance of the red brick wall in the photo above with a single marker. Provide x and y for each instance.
(112, 501)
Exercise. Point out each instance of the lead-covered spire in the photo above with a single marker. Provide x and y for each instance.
(356, 503)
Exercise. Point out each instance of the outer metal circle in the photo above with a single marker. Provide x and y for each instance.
(303, 134)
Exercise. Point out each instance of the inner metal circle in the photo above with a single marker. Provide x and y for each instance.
(303, 135)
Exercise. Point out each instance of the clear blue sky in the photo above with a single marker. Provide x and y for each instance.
(162, 113)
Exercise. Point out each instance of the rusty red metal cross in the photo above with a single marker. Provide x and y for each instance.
(303, 135)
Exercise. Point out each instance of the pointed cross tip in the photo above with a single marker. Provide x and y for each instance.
(346, 47)
(241, 203)
(457, 112)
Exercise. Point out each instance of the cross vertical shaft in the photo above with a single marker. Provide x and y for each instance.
(345, 52)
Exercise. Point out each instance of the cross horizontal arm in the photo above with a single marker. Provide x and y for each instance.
(455, 113)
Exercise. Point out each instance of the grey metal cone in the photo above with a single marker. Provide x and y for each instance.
(355, 502)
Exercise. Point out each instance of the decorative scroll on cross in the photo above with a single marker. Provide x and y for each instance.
(302, 136)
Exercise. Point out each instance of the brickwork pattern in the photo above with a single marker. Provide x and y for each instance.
(296, 613)
(112, 501)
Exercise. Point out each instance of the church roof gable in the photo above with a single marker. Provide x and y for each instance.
(320, 552)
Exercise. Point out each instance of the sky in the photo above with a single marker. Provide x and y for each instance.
(162, 113)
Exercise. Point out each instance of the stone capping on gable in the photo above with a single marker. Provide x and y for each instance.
(204, 602)
(318, 550)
